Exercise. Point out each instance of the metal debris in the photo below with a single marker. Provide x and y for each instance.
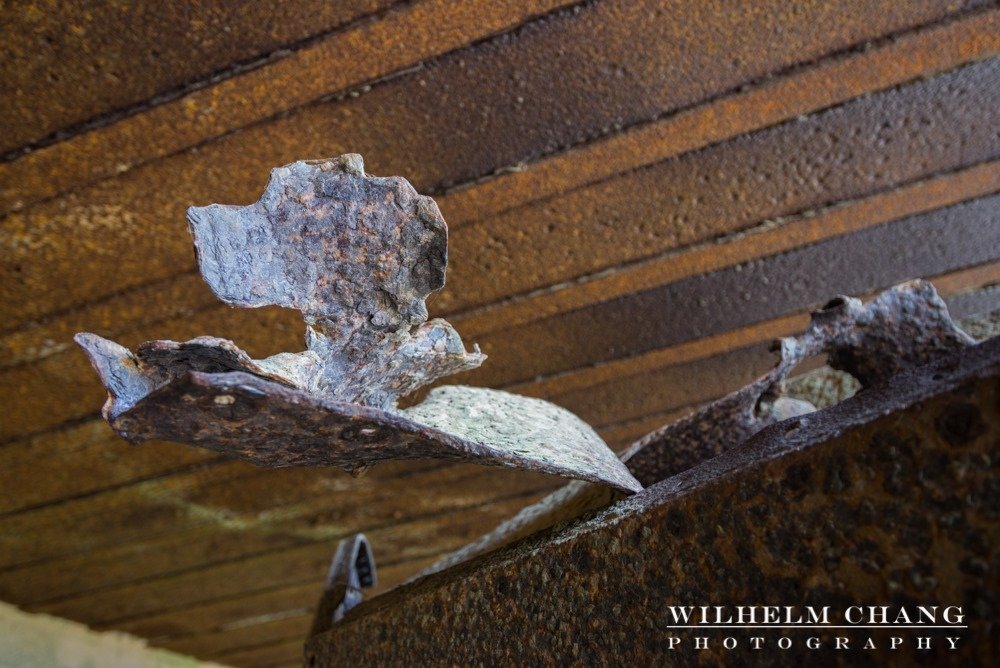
(357, 255)
(888, 498)
(351, 570)
(904, 326)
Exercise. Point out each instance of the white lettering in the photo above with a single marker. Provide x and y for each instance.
(674, 641)
(784, 642)
(923, 643)
(746, 614)
(812, 642)
(895, 642)
(701, 643)
(903, 617)
(927, 614)
(719, 609)
(729, 643)
(821, 617)
(869, 645)
(953, 641)
(772, 614)
(849, 614)
(878, 614)
(757, 641)
(680, 613)
(953, 614)
(841, 642)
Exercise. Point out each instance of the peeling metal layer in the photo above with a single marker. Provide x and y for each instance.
(275, 425)
(905, 326)
(887, 498)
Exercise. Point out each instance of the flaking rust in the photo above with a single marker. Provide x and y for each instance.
(888, 498)
(357, 255)
(903, 327)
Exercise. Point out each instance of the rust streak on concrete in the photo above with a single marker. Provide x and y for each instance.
(921, 53)
(465, 119)
(402, 38)
(94, 61)
(938, 48)
(766, 240)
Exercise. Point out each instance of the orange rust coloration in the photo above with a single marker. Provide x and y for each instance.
(641, 196)
(403, 38)
(918, 54)
(843, 219)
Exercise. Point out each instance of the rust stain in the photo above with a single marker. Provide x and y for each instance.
(403, 37)
(763, 240)
(71, 66)
(844, 153)
(922, 53)
(465, 122)
(884, 498)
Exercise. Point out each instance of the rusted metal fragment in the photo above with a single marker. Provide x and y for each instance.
(357, 255)
(129, 378)
(351, 570)
(904, 326)
(887, 498)
(524, 427)
(275, 425)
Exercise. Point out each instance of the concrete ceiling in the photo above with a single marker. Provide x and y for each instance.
(641, 195)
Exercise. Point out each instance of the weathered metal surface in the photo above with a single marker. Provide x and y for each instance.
(357, 255)
(904, 326)
(888, 498)
(351, 570)
(271, 424)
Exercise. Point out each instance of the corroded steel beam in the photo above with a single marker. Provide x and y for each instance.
(886, 499)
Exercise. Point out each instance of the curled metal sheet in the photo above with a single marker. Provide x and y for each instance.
(357, 255)
(352, 569)
(905, 326)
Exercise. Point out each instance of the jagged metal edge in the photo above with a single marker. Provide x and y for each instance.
(912, 313)
(271, 424)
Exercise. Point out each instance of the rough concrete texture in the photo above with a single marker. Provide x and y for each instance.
(445, 144)
(66, 63)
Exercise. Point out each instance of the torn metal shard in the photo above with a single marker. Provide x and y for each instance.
(275, 425)
(905, 326)
(352, 569)
(357, 255)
